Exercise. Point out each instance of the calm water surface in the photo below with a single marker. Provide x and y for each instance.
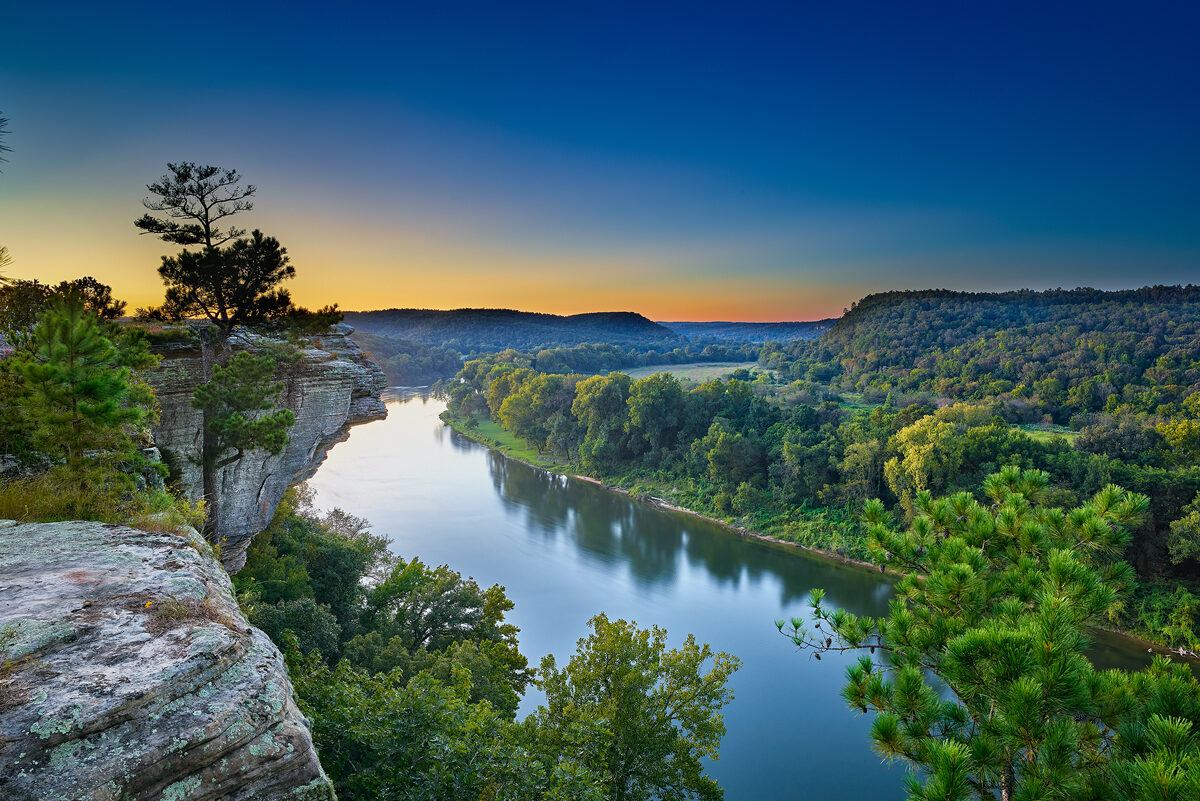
(566, 549)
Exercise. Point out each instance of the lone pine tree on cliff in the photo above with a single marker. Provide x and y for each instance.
(228, 279)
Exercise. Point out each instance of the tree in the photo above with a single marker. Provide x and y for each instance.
(237, 404)
(389, 737)
(656, 409)
(23, 302)
(83, 398)
(994, 603)
(636, 714)
(200, 196)
(601, 407)
(418, 613)
(228, 285)
(232, 286)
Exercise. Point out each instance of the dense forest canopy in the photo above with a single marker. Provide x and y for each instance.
(470, 330)
(1061, 353)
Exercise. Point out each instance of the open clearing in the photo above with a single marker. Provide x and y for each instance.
(696, 371)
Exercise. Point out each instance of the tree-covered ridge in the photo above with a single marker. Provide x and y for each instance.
(753, 332)
(485, 330)
(1062, 353)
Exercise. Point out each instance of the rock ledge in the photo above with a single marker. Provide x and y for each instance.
(128, 673)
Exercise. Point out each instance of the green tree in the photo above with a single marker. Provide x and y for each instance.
(994, 603)
(418, 612)
(656, 411)
(239, 416)
(601, 407)
(230, 286)
(930, 452)
(638, 715)
(1183, 543)
(388, 737)
(83, 398)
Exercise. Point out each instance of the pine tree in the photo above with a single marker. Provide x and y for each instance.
(237, 404)
(994, 602)
(82, 396)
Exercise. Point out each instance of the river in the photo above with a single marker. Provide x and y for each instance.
(566, 549)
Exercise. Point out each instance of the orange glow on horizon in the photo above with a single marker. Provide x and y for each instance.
(377, 269)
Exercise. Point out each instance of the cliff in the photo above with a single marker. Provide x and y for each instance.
(331, 388)
(128, 673)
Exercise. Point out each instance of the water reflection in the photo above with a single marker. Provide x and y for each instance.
(651, 543)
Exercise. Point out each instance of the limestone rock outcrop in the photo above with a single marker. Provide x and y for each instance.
(332, 387)
(128, 673)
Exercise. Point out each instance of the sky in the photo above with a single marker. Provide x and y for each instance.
(698, 161)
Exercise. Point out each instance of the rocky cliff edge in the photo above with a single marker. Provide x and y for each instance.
(332, 387)
(128, 673)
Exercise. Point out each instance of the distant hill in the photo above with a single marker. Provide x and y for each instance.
(1061, 352)
(470, 330)
(754, 332)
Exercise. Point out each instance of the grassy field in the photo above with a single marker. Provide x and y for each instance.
(1042, 434)
(855, 401)
(697, 371)
(489, 432)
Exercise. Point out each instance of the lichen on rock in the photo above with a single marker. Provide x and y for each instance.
(129, 674)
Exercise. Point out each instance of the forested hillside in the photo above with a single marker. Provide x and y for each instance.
(753, 332)
(911, 393)
(485, 330)
(1061, 353)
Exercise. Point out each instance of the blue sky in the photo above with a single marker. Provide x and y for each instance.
(704, 161)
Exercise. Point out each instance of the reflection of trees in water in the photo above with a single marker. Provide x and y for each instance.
(612, 529)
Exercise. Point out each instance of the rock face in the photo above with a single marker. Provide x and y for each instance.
(130, 674)
(330, 389)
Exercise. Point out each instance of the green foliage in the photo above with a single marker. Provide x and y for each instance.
(229, 286)
(994, 604)
(384, 737)
(1184, 541)
(408, 363)
(636, 714)
(57, 495)
(23, 303)
(417, 615)
(412, 676)
(234, 401)
(82, 399)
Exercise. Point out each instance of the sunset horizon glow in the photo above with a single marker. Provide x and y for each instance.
(777, 163)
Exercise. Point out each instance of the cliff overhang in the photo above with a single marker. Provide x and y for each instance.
(330, 388)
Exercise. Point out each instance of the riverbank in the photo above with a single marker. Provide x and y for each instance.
(491, 435)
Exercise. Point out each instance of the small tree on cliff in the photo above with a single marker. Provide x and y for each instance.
(239, 416)
(230, 286)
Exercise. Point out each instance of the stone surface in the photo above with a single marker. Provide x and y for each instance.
(129, 674)
(330, 389)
